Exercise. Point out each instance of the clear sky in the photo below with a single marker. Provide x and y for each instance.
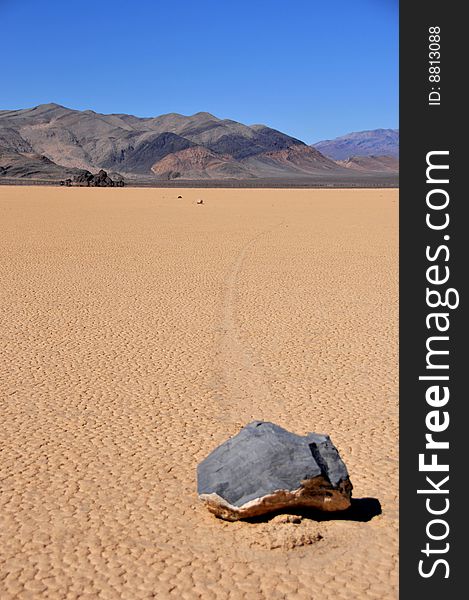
(314, 69)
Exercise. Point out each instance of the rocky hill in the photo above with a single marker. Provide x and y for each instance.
(381, 164)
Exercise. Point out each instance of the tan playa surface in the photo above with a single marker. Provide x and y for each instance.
(139, 331)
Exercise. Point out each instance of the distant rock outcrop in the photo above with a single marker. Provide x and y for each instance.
(265, 468)
(87, 179)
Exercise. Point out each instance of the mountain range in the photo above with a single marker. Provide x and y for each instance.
(52, 142)
(376, 142)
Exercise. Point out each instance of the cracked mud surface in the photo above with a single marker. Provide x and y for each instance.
(138, 332)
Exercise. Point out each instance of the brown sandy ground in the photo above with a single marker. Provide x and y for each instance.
(139, 331)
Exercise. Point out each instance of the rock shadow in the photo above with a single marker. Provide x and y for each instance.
(361, 509)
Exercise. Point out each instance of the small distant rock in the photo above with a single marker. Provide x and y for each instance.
(179, 196)
(200, 201)
(265, 468)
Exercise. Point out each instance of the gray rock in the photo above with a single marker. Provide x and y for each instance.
(265, 468)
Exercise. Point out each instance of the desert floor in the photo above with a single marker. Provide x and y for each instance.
(139, 331)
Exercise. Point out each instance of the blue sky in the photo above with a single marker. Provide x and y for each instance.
(313, 69)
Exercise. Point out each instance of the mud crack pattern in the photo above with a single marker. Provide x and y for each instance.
(139, 331)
